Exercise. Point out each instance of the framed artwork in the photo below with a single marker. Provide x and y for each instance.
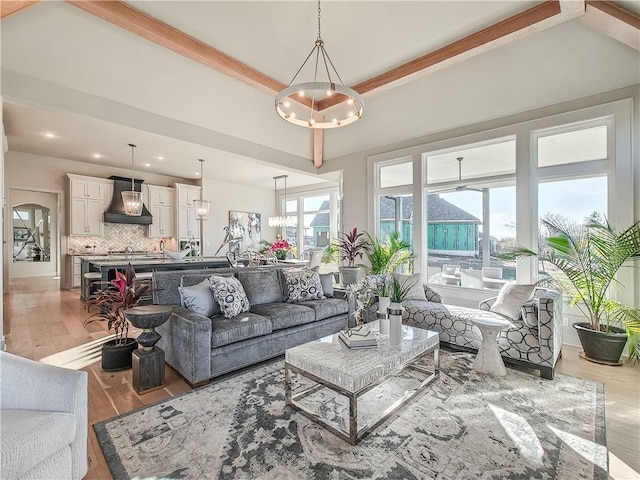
(247, 225)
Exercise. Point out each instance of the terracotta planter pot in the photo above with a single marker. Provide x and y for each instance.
(117, 357)
(601, 347)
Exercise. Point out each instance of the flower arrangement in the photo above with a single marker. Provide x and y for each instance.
(280, 248)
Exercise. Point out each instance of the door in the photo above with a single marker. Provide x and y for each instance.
(32, 230)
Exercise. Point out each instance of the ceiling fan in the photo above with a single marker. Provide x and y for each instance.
(460, 188)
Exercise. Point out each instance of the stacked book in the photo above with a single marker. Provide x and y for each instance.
(358, 337)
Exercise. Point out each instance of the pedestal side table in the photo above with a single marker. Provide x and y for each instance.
(488, 359)
(148, 361)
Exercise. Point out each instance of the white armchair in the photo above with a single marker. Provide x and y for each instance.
(43, 420)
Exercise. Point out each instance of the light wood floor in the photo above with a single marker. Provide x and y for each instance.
(46, 323)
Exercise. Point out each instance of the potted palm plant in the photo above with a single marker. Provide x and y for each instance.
(387, 256)
(587, 258)
(351, 245)
(112, 300)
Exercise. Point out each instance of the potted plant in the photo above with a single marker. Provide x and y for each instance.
(112, 300)
(351, 245)
(280, 248)
(587, 258)
(397, 293)
(387, 256)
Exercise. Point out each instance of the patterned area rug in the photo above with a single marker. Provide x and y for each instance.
(464, 426)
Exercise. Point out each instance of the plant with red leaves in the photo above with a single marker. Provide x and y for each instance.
(113, 299)
(353, 245)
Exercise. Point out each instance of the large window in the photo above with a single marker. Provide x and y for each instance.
(470, 197)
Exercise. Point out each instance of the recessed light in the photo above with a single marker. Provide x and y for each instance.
(96, 155)
(147, 164)
(49, 134)
(159, 157)
(197, 173)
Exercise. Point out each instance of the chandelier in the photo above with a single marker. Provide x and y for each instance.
(319, 104)
(280, 221)
(201, 206)
(132, 200)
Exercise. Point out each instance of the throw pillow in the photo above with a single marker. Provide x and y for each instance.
(230, 295)
(511, 298)
(303, 284)
(415, 281)
(199, 298)
(326, 280)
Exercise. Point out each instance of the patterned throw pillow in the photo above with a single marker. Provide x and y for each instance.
(230, 295)
(302, 285)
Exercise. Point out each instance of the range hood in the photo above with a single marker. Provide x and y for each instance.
(115, 212)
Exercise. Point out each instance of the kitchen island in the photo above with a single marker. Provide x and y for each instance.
(107, 267)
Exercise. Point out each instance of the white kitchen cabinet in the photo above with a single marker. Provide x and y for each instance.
(161, 205)
(73, 271)
(188, 226)
(89, 197)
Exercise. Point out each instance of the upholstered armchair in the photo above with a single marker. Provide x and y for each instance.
(43, 420)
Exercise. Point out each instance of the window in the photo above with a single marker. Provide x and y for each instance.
(396, 215)
(291, 233)
(396, 174)
(471, 214)
(573, 146)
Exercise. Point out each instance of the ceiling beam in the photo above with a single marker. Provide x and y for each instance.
(13, 6)
(614, 21)
(145, 26)
(478, 42)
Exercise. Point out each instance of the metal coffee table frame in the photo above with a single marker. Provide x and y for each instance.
(355, 434)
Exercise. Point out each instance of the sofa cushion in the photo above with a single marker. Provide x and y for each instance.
(326, 280)
(302, 285)
(511, 298)
(27, 437)
(327, 308)
(262, 286)
(199, 298)
(225, 331)
(413, 283)
(284, 315)
(230, 295)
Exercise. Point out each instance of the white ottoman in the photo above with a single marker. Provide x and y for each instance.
(488, 359)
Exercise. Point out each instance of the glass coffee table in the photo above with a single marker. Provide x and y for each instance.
(329, 363)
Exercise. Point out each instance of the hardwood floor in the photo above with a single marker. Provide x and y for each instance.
(46, 324)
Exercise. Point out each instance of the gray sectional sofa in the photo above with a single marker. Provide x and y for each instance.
(534, 340)
(201, 348)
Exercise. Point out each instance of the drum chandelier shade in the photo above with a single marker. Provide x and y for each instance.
(280, 221)
(303, 103)
(132, 200)
(201, 206)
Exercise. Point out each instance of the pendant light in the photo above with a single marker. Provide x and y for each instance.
(132, 200)
(201, 206)
(280, 221)
(319, 104)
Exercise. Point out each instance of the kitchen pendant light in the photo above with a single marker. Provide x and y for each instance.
(280, 221)
(319, 104)
(201, 206)
(132, 200)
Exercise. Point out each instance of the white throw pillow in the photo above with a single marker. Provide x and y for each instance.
(230, 295)
(511, 298)
(199, 298)
(417, 288)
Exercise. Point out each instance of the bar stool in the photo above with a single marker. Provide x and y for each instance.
(145, 278)
(87, 288)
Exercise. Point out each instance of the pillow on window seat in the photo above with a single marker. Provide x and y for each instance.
(511, 298)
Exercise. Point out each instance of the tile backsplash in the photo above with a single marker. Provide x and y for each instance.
(118, 236)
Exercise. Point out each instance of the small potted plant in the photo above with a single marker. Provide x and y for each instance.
(351, 245)
(112, 300)
(397, 293)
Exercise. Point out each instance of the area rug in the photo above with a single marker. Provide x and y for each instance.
(464, 426)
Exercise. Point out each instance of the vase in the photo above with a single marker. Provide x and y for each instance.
(395, 323)
(383, 304)
(349, 275)
(281, 255)
(601, 347)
